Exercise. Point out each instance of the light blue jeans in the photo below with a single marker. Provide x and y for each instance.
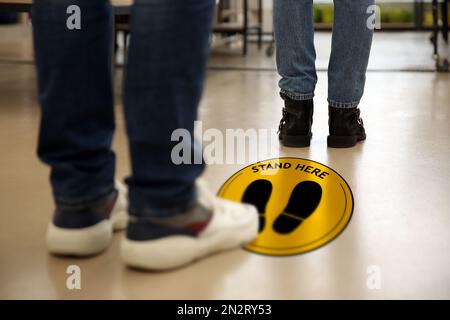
(350, 50)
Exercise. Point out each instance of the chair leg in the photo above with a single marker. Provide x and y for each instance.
(260, 24)
(444, 10)
(245, 31)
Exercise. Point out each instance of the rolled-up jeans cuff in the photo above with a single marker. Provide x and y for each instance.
(141, 206)
(296, 96)
(81, 202)
(344, 105)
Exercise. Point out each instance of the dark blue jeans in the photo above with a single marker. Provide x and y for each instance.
(163, 85)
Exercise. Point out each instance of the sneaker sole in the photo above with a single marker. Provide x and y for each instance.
(176, 251)
(85, 241)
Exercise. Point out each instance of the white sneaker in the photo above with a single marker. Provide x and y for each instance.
(83, 233)
(158, 247)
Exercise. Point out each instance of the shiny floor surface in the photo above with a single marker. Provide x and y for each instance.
(399, 177)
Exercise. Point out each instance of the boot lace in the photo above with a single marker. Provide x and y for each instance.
(284, 120)
(359, 120)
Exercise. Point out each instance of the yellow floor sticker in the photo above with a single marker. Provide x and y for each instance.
(302, 204)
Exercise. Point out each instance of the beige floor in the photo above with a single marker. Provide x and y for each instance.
(399, 176)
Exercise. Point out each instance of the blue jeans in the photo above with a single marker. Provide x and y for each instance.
(163, 85)
(350, 50)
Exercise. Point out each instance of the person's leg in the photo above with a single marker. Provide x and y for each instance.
(351, 44)
(171, 221)
(77, 122)
(163, 86)
(75, 93)
(295, 55)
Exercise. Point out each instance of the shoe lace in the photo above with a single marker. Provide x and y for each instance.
(359, 120)
(283, 121)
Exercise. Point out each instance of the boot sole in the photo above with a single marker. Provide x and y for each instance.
(296, 141)
(343, 141)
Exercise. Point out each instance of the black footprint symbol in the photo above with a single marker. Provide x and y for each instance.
(303, 201)
(258, 194)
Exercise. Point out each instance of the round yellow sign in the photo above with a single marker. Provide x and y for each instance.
(302, 204)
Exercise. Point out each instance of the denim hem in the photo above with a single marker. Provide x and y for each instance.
(81, 202)
(162, 212)
(347, 105)
(297, 96)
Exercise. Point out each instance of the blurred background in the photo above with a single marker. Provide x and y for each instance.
(413, 34)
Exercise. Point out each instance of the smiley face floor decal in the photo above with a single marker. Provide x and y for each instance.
(302, 204)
